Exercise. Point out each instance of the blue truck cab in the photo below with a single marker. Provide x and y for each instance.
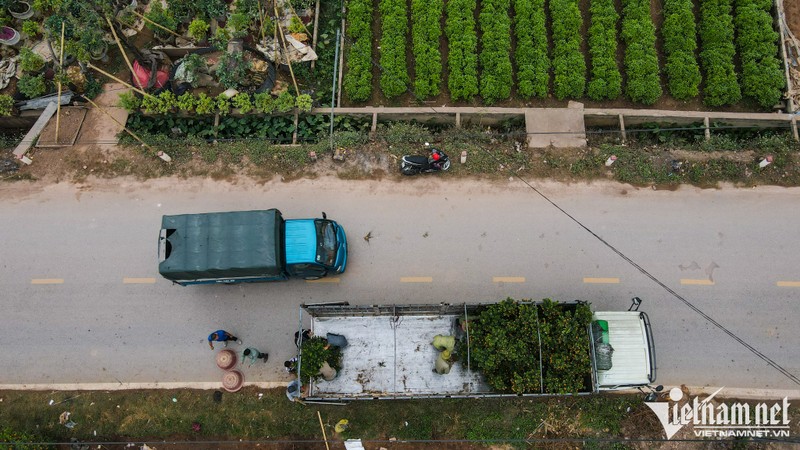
(314, 248)
(248, 246)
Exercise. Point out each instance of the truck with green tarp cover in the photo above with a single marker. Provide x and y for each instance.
(248, 246)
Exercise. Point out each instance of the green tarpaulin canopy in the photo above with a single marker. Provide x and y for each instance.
(222, 245)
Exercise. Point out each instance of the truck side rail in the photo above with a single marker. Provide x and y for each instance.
(650, 346)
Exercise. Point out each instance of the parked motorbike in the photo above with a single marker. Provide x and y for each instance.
(414, 164)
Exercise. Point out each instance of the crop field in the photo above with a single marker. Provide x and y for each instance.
(670, 54)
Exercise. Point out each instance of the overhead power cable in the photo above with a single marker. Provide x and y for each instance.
(652, 277)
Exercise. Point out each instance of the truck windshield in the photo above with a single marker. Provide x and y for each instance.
(327, 244)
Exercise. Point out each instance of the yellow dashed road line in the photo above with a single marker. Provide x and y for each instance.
(508, 279)
(416, 279)
(788, 283)
(127, 280)
(697, 282)
(324, 280)
(47, 281)
(601, 280)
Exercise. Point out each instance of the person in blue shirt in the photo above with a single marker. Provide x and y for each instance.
(221, 336)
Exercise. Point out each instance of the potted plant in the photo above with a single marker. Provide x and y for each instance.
(20, 9)
(8, 35)
(198, 30)
(238, 24)
(32, 86)
(31, 28)
(93, 40)
(6, 105)
(30, 61)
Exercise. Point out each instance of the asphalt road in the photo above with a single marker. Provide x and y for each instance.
(82, 301)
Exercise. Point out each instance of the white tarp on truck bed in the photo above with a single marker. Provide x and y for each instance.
(390, 355)
(630, 361)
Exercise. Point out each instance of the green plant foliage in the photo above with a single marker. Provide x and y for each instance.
(264, 103)
(205, 104)
(462, 58)
(425, 35)
(232, 70)
(19, 440)
(6, 105)
(717, 53)
(211, 9)
(404, 133)
(193, 65)
(296, 26)
(313, 353)
(30, 28)
(243, 102)
(285, 102)
(532, 59)
(30, 61)
(222, 104)
(198, 29)
(221, 38)
(238, 24)
(569, 66)
(32, 86)
(358, 82)
(129, 101)
(680, 44)
(187, 102)
(167, 102)
(503, 346)
(161, 16)
(394, 28)
(303, 102)
(495, 57)
(565, 347)
(507, 338)
(762, 77)
(606, 82)
(641, 60)
(93, 87)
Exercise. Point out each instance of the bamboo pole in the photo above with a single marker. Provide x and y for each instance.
(101, 109)
(60, 67)
(323, 431)
(285, 50)
(262, 15)
(119, 44)
(156, 24)
(92, 66)
(314, 39)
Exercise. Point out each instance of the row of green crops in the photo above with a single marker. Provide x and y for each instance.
(425, 33)
(641, 60)
(277, 129)
(717, 52)
(680, 43)
(537, 56)
(462, 58)
(606, 80)
(358, 83)
(394, 26)
(569, 66)
(762, 77)
(532, 60)
(495, 58)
